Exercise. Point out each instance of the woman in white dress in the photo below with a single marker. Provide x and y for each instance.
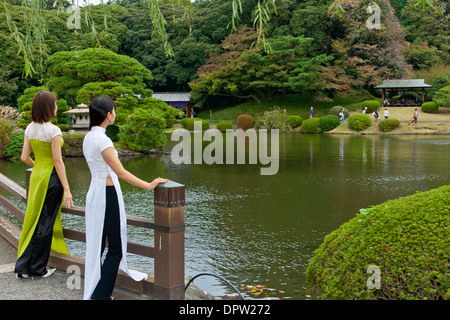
(105, 211)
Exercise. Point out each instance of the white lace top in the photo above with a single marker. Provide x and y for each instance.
(42, 131)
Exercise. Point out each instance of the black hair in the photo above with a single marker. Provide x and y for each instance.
(98, 110)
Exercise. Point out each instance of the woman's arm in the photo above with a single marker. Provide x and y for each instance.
(26, 151)
(110, 156)
(61, 170)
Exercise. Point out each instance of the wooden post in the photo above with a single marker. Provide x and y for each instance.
(169, 241)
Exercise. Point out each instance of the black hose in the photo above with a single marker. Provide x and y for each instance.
(213, 275)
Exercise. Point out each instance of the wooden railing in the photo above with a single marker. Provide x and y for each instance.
(167, 252)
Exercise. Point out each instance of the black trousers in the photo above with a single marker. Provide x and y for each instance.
(33, 260)
(111, 230)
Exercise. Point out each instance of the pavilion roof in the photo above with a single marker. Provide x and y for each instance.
(172, 96)
(400, 84)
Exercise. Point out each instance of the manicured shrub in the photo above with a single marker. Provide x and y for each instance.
(294, 121)
(371, 105)
(388, 124)
(328, 123)
(143, 131)
(336, 109)
(244, 122)
(359, 122)
(430, 107)
(310, 125)
(188, 123)
(224, 125)
(406, 238)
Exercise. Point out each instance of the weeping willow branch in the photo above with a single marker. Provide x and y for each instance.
(261, 17)
(31, 41)
(159, 25)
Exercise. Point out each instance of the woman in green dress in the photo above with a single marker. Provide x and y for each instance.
(42, 229)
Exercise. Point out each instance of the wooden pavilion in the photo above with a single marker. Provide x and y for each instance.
(176, 99)
(404, 86)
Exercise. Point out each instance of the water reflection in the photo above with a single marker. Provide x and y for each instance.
(253, 229)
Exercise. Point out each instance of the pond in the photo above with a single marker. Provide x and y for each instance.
(262, 230)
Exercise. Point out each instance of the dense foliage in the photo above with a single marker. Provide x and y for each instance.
(313, 52)
(359, 122)
(407, 239)
(386, 125)
(328, 122)
(430, 107)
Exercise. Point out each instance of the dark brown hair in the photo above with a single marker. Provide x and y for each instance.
(43, 107)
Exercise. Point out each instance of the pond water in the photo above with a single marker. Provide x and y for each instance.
(262, 230)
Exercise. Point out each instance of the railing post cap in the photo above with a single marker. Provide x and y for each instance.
(170, 184)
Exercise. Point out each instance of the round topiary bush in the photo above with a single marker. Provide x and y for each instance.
(188, 123)
(224, 125)
(294, 121)
(371, 105)
(244, 122)
(335, 111)
(310, 125)
(430, 107)
(388, 124)
(407, 240)
(359, 122)
(328, 123)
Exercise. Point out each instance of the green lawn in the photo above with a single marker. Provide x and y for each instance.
(295, 104)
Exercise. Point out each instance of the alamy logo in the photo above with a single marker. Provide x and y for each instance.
(74, 21)
(74, 280)
(374, 281)
(214, 152)
(374, 21)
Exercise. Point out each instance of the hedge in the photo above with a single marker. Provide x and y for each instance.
(371, 105)
(329, 122)
(310, 125)
(336, 110)
(294, 121)
(406, 238)
(388, 124)
(188, 123)
(224, 125)
(430, 107)
(359, 122)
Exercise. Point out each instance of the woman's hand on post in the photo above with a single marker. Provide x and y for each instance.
(157, 181)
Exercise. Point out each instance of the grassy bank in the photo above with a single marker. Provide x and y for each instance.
(428, 123)
(294, 104)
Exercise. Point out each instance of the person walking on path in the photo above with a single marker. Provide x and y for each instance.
(342, 115)
(416, 114)
(311, 113)
(386, 113)
(375, 115)
(105, 211)
(48, 190)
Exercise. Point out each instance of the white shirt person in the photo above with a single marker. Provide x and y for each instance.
(105, 210)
